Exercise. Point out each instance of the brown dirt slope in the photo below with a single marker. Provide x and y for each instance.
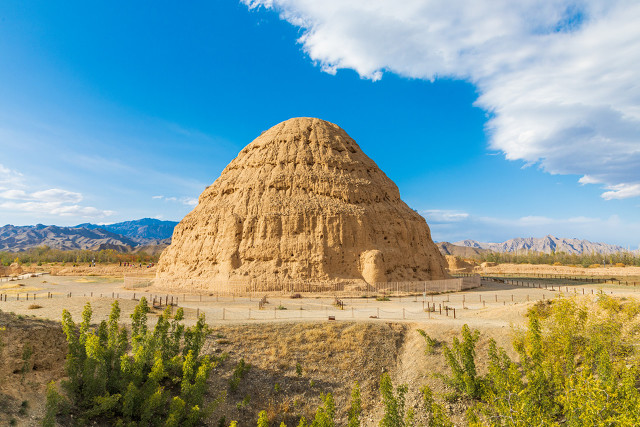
(32, 353)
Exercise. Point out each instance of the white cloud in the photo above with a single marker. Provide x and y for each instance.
(9, 178)
(444, 216)
(188, 201)
(621, 191)
(55, 208)
(53, 201)
(54, 195)
(559, 77)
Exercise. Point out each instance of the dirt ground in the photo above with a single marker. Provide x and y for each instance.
(366, 338)
(535, 269)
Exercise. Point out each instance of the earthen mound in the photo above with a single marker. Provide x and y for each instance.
(459, 265)
(301, 203)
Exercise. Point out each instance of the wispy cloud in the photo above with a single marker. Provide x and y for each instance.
(53, 201)
(559, 78)
(621, 191)
(188, 201)
(10, 178)
(444, 216)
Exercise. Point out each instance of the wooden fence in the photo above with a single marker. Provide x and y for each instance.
(243, 288)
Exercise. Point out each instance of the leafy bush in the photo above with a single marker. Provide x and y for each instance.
(461, 360)
(394, 404)
(238, 373)
(355, 409)
(432, 343)
(156, 377)
(578, 366)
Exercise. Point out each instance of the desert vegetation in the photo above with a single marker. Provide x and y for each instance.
(152, 377)
(576, 364)
(45, 254)
(561, 258)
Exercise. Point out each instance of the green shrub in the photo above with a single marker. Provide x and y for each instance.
(239, 372)
(432, 344)
(394, 404)
(161, 380)
(355, 409)
(461, 360)
(578, 366)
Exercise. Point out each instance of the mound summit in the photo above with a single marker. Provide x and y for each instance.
(301, 203)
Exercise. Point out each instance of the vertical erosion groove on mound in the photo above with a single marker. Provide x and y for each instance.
(301, 203)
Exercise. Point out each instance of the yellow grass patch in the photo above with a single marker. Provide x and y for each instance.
(20, 289)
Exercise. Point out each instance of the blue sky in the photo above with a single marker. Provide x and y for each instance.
(112, 111)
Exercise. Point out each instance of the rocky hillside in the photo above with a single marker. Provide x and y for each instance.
(547, 244)
(447, 248)
(124, 237)
(145, 228)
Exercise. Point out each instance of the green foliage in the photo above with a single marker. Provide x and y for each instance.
(432, 343)
(436, 415)
(52, 406)
(243, 403)
(325, 414)
(355, 409)
(578, 366)
(263, 421)
(395, 414)
(298, 369)
(45, 254)
(238, 373)
(27, 352)
(159, 381)
(461, 360)
(562, 258)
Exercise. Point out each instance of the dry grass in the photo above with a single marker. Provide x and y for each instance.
(332, 356)
(34, 306)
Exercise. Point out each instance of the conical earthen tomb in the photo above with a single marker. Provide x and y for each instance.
(300, 204)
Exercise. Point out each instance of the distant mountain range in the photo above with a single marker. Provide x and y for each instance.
(153, 235)
(145, 228)
(447, 248)
(124, 236)
(547, 244)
